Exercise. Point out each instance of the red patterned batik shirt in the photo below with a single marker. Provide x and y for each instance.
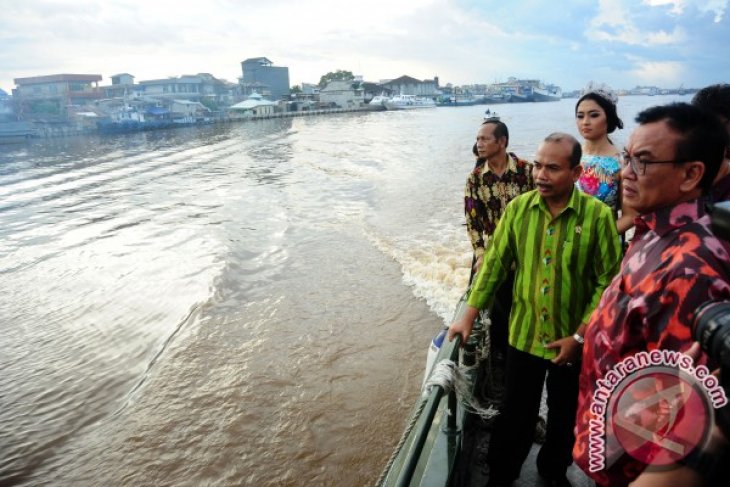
(673, 265)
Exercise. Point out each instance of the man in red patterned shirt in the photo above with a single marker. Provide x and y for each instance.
(640, 404)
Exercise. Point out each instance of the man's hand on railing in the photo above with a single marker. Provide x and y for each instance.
(463, 325)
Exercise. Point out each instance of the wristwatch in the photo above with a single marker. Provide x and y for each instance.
(579, 338)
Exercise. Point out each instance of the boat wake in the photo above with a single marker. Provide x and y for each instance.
(438, 271)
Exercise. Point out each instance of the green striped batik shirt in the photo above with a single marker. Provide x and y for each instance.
(562, 266)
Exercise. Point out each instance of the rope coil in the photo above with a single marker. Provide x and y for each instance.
(451, 377)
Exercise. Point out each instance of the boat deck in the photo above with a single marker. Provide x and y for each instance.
(444, 446)
(477, 472)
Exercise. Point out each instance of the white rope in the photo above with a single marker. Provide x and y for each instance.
(484, 338)
(449, 376)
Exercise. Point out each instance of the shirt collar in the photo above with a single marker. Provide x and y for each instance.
(538, 200)
(511, 164)
(669, 218)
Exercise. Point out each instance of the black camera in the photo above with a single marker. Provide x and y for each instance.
(711, 326)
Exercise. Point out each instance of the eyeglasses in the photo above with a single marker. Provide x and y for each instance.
(638, 165)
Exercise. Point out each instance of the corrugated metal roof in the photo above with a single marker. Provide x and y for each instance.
(54, 78)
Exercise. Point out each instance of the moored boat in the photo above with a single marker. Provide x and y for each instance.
(13, 132)
(408, 102)
(547, 93)
(494, 98)
(379, 100)
(131, 119)
(529, 90)
(132, 125)
(458, 101)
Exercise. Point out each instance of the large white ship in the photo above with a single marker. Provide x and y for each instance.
(408, 102)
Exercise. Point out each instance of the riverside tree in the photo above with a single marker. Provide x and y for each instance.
(338, 75)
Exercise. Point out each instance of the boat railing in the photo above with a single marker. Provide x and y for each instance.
(427, 416)
(429, 448)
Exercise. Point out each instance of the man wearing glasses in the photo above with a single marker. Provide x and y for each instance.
(565, 250)
(673, 265)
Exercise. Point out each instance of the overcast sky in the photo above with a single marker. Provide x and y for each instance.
(623, 43)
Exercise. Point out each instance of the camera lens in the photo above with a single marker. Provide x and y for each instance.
(712, 329)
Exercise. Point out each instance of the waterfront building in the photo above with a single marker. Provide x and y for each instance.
(7, 112)
(304, 99)
(122, 85)
(201, 87)
(343, 94)
(254, 105)
(310, 89)
(49, 97)
(122, 79)
(406, 85)
(261, 76)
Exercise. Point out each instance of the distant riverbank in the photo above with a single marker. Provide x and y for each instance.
(45, 130)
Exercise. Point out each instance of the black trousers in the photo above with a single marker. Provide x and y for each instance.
(515, 427)
(490, 385)
(500, 314)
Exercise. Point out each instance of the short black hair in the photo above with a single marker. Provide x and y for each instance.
(612, 120)
(702, 136)
(715, 99)
(480, 160)
(575, 154)
(500, 129)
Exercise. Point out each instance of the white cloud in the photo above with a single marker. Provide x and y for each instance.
(678, 7)
(718, 7)
(167, 38)
(461, 41)
(659, 73)
(662, 37)
(614, 23)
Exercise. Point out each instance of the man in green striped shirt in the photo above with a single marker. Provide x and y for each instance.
(566, 250)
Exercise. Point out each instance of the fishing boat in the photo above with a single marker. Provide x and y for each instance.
(408, 102)
(131, 119)
(490, 115)
(532, 90)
